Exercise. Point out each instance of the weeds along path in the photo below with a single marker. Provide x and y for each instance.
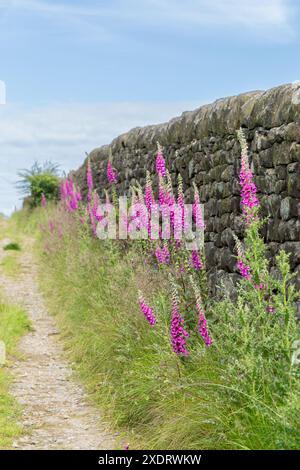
(56, 412)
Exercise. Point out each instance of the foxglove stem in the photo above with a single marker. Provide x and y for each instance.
(170, 199)
(243, 268)
(162, 255)
(147, 310)
(150, 203)
(162, 198)
(178, 333)
(89, 179)
(149, 198)
(196, 262)
(181, 202)
(249, 201)
(111, 173)
(197, 210)
(160, 162)
(63, 191)
(202, 323)
(202, 326)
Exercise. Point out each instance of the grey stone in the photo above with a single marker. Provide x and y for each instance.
(203, 147)
(286, 208)
(191, 168)
(289, 231)
(294, 249)
(228, 173)
(270, 205)
(293, 185)
(295, 152)
(281, 172)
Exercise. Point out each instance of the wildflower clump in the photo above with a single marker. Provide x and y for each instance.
(70, 195)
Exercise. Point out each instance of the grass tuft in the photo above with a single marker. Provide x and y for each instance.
(12, 246)
(10, 265)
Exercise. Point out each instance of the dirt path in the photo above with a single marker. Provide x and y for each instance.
(56, 412)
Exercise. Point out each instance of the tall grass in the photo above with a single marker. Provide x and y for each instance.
(10, 265)
(13, 324)
(234, 395)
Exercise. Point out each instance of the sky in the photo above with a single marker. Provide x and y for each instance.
(79, 73)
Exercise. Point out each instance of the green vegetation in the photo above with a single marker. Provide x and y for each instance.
(242, 393)
(12, 246)
(39, 180)
(173, 367)
(10, 264)
(13, 324)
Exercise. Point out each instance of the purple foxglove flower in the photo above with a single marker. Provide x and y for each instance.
(197, 210)
(202, 326)
(43, 201)
(271, 309)
(63, 191)
(249, 201)
(147, 311)
(178, 334)
(160, 163)
(202, 323)
(196, 262)
(162, 255)
(111, 174)
(181, 203)
(89, 179)
(244, 270)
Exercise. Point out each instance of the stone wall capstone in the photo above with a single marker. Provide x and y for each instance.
(202, 145)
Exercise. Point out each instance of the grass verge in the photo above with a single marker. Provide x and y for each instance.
(10, 264)
(13, 324)
(12, 247)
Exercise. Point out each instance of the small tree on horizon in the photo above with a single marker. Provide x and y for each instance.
(38, 180)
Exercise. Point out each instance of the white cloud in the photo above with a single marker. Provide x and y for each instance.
(259, 15)
(246, 12)
(63, 133)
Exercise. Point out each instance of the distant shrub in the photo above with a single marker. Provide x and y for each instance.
(40, 181)
(12, 246)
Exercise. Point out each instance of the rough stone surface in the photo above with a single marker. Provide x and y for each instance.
(202, 146)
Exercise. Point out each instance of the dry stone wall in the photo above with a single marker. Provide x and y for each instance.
(203, 147)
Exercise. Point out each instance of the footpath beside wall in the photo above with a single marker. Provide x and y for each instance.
(202, 146)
